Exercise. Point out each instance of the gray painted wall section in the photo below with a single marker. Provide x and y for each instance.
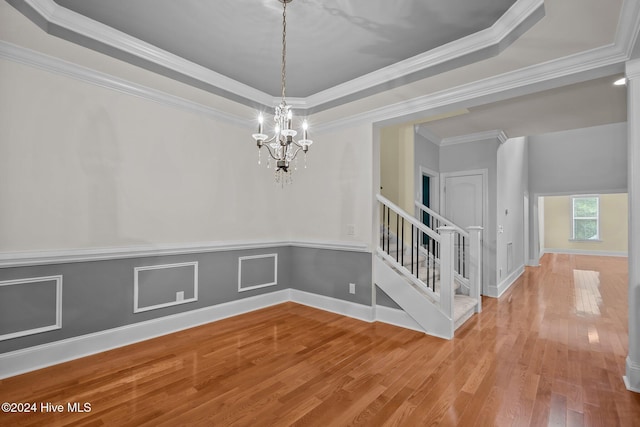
(27, 306)
(592, 160)
(329, 272)
(99, 295)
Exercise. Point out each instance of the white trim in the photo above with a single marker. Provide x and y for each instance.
(576, 68)
(434, 188)
(422, 130)
(396, 317)
(63, 256)
(497, 291)
(585, 252)
(497, 134)
(41, 356)
(333, 305)
(495, 35)
(55, 65)
(262, 285)
(136, 270)
(492, 36)
(74, 22)
(632, 69)
(632, 376)
(57, 325)
(573, 217)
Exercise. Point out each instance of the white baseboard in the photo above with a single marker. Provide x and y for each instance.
(396, 317)
(497, 291)
(632, 377)
(333, 305)
(533, 263)
(586, 252)
(41, 356)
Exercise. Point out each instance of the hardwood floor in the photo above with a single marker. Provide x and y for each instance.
(550, 351)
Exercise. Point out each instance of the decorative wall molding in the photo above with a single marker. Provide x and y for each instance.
(136, 286)
(41, 356)
(58, 304)
(273, 282)
(63, 256)
(54, 65)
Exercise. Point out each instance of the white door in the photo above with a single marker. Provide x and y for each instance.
(463, 200)
(463, 204)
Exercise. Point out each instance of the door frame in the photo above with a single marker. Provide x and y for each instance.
(485, 216)
(434, 189)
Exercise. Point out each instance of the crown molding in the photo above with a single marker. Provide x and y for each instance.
(628, 26)
(428, 135)
(490, 37)
(54, 65)
(598, 62)
(75, 25)
(632, 70)
(497, 135)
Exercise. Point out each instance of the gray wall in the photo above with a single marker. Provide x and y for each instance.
(99, 295)
(589, 160)
(329, 272)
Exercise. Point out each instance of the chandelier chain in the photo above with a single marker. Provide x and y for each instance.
(284, 50)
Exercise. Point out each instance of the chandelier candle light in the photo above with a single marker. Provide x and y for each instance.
(281, 146)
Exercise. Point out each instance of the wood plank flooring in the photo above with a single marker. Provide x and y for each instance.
(550, 351)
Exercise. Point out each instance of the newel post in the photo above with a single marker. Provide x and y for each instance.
(475, 265)
(446, 270)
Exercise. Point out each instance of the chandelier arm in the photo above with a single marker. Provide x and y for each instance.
(271, 153)
(295, 153)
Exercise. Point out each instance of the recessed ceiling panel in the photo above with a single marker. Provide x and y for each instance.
(328, 41)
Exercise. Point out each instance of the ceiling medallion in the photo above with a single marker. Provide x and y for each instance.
(281, 146)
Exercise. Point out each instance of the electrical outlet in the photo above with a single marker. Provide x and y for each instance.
(352, 288)
(180, 296)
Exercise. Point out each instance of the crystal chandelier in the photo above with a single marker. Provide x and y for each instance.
(281, 146)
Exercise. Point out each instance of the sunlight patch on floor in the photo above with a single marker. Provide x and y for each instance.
(587, 292)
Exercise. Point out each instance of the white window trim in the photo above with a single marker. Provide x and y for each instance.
(597, 218)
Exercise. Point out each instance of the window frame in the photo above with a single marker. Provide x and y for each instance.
(573, 218)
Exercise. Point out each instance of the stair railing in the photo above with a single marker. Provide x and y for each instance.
(401, 245)
(461, 239)
(467, 250)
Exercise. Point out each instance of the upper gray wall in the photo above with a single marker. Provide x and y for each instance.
(589, 160)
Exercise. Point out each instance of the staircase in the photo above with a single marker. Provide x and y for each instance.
(432, 271)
